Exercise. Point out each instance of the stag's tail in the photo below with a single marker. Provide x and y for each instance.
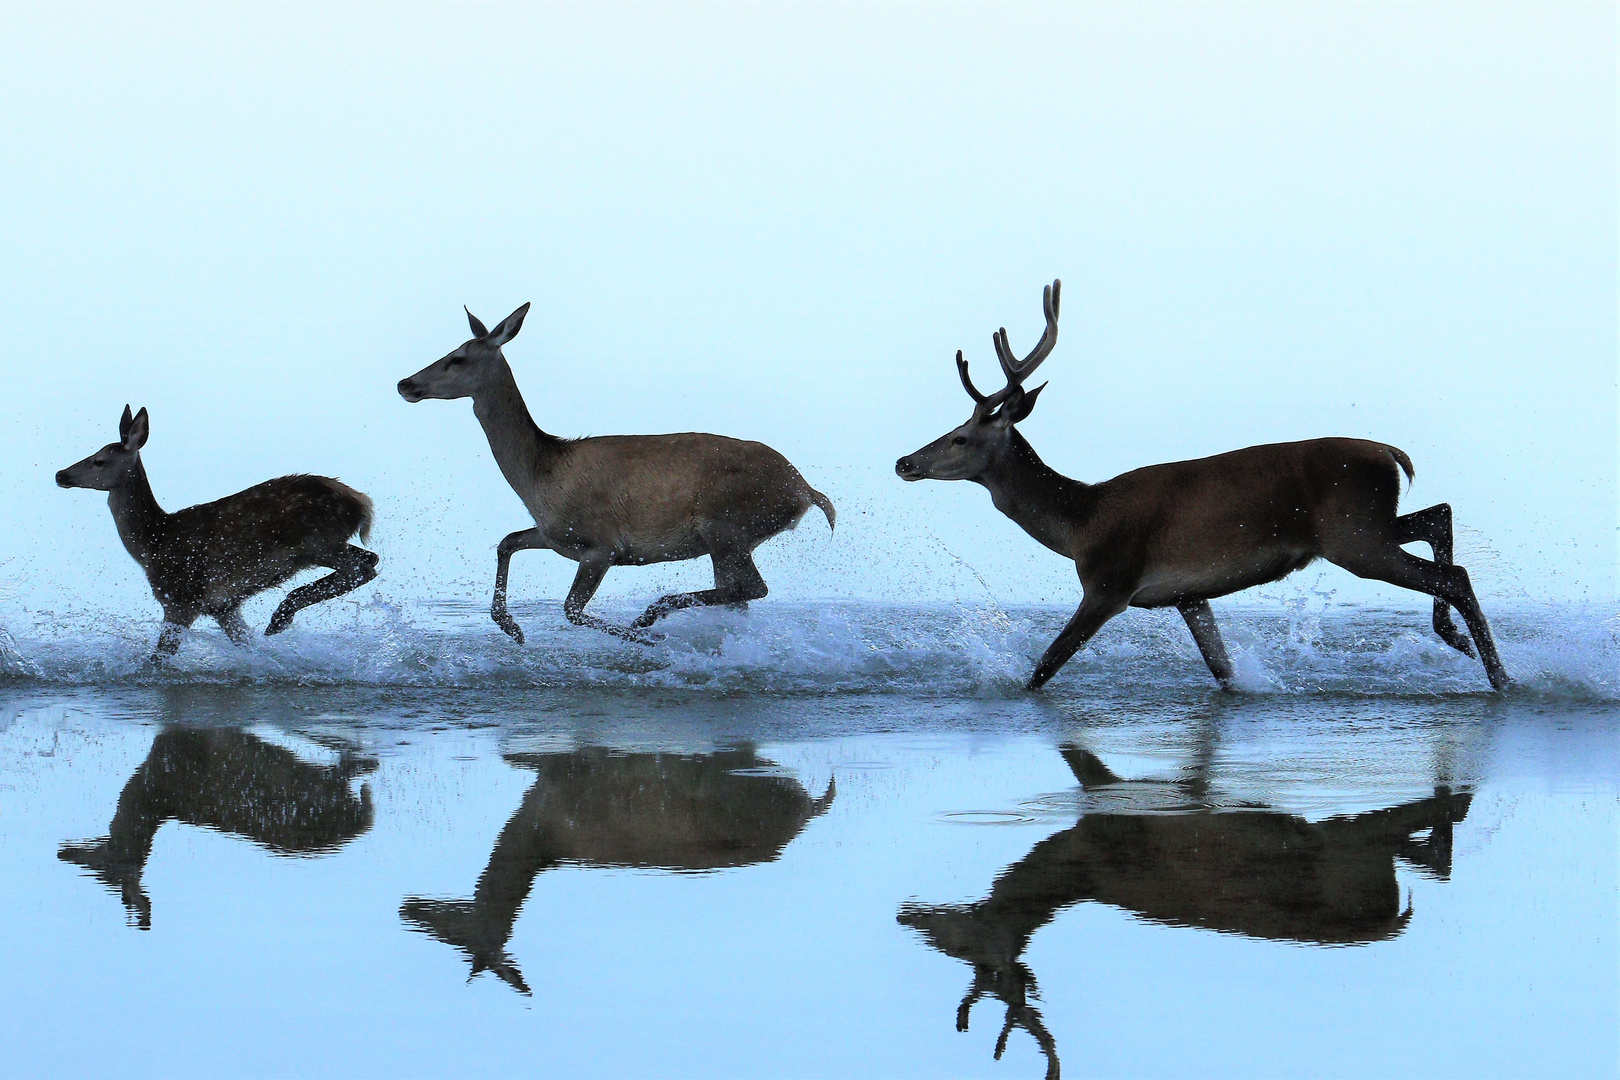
(1403, 461)
(826, 506)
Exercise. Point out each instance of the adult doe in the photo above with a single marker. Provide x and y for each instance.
(1179, 535)
(211, 558)
(621, 500)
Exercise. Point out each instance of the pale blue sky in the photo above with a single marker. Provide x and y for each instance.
(780, 222)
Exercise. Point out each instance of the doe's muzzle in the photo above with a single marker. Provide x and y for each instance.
(907, 469)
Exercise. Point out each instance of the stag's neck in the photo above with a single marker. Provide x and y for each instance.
(1046, 504)
(136, 512)
(524, 452)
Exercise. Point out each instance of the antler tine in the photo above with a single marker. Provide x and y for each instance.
(1019, 370)
(967, 383)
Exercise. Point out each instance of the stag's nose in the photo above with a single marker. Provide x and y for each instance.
(907, 469)
(408, 391)
(62, 480)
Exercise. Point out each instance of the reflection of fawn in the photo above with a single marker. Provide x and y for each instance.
(1262, 874)
(231, 781)
(597, 807)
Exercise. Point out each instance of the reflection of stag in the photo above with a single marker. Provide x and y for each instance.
(596, 807)
(1262, 874)
(232, 781)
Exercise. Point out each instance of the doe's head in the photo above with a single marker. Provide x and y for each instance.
(466, 371)
(110, 466)
(968, 451)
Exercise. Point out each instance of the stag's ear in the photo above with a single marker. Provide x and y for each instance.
(1026, 404)
(1005, 417)
(139, 429)
(509, 327)
(123, 424)
(477, 327)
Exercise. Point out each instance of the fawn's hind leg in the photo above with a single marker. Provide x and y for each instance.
(1433, 527)
(351, 568)
(234, 625)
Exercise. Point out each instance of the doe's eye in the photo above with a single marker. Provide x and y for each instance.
(960, 440)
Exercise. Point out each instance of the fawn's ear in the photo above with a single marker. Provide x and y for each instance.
(477, 327)
(509, 327)
(123, 424)
(139, 429)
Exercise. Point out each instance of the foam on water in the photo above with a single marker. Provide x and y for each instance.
(1299, 647)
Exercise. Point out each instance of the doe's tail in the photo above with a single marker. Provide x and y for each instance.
(826, 506)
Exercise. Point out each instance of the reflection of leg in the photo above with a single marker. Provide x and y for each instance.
(1201, 621)
(522, 540)
(1433, 527)
(736, 581)
(352, 568)
(234, 626)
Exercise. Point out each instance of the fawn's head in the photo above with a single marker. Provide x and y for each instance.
(966, 452)
(114, 463)
(469, 369)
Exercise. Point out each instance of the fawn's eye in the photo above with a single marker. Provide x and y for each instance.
(960, 440)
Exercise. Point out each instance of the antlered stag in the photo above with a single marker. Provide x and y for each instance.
(211, 558)
(621, 500)
(1179, 535)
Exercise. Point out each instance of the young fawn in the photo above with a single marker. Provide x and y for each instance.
(209, 559)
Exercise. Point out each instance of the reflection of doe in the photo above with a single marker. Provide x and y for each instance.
(228, 780)
(1259, 873)
(597, 807)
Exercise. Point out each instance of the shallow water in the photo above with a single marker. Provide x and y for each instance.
(800, 842)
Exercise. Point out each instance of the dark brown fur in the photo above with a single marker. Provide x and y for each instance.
(210, 558)
(1181, 534)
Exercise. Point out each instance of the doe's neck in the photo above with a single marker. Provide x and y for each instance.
(521, 449)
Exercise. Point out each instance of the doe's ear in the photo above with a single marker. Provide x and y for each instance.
(477, 327)
(1026, 404)
(509, 327)
(139, 429)
(123, 424)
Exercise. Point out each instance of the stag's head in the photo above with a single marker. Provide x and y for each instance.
(469, 369)
(114, 463)
(970, 450)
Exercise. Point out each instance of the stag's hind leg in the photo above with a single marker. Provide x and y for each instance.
(351, 568)
(1446, 582)
(736, 581)
(1433, 527)
(1201, 621)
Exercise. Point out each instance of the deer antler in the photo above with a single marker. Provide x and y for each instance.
(1016, 370)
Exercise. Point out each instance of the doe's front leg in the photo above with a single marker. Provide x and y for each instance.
(522, 540)
(175, 625)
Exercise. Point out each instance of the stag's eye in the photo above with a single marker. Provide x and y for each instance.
(960, 440)
(99, 461)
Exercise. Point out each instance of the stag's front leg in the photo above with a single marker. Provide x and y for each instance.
(522, 540)
(592, 569)
(1201, 621)
(1095, 609)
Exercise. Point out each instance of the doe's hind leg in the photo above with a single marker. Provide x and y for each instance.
(352, 568)
(736, 581)
(1432, 526)
(1201, 621)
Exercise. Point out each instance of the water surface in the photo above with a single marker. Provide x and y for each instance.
(811, 841)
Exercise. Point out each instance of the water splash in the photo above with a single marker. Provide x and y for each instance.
(1303, 646)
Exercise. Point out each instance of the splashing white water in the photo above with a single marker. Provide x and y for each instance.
(1564, 651)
